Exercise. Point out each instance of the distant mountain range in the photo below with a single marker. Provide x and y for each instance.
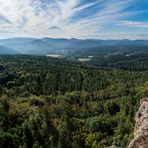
(45, 46)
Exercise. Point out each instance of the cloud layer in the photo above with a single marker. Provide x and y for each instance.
(70, 18)
(133, 24)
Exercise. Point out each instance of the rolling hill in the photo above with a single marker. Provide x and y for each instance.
(7, 50)
(45, 46)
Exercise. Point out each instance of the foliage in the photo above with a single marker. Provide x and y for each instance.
(47, 102)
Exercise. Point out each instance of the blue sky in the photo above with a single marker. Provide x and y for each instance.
(99, 19)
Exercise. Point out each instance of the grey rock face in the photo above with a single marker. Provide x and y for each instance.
(141, 127)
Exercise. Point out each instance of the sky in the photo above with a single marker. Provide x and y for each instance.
(93, 19)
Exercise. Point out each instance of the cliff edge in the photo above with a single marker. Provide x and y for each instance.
(141, 126)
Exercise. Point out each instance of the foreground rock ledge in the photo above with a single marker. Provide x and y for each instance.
(141, 127)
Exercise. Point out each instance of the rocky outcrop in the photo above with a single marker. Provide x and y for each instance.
(141, 127)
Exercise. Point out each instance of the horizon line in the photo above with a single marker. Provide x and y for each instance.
(23, 37)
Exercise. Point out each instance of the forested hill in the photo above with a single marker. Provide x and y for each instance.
(47, 102)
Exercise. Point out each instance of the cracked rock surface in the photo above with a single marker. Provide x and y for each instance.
(141, 126)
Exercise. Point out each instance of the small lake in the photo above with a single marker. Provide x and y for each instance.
(54, 55)
(83, 59)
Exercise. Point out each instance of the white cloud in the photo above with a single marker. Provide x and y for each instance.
(62, 18)
(120, 35)
(133, 24)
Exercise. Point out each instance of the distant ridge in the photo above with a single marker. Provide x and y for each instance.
(7, 50)
(43, 46)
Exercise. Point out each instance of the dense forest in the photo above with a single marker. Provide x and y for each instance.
(125, 57)
(56, 103)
